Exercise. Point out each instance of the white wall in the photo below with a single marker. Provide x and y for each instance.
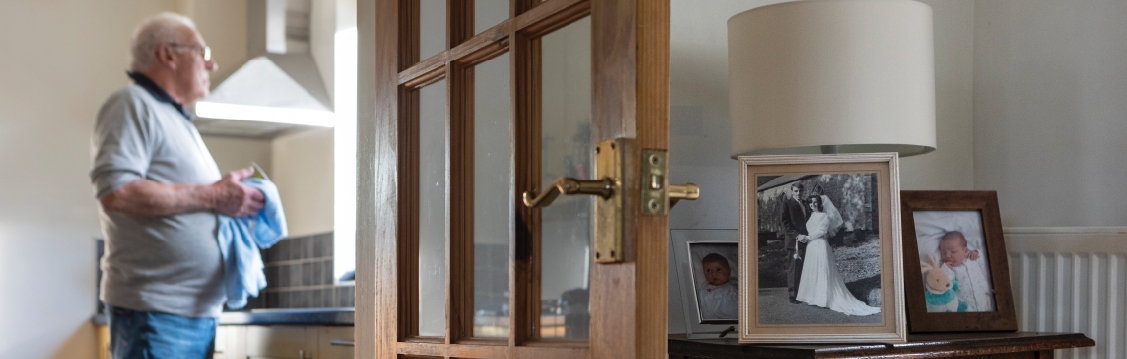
(322, 28)
(223, 25)
(60, 60)
(699, 124)
(1050, 108)
(699, 140)
(232, 153)
(951, 166)
(303, 171)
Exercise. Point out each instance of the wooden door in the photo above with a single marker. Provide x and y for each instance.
(400, 80)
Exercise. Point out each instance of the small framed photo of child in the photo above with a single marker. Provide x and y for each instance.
(714, 280)
(957, 273)
(707, 269)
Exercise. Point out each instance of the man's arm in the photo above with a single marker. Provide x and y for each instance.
(227, 196)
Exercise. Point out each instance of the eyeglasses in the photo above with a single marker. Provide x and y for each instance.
(204, 51)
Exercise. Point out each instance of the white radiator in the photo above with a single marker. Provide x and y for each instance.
(1072, 280)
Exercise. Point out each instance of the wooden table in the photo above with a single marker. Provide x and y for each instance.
(949, 345)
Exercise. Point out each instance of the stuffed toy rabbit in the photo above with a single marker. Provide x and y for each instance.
(940, 293)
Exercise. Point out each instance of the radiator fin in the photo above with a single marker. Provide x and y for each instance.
(1073, 292)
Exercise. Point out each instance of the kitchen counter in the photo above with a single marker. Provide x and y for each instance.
(287, 316)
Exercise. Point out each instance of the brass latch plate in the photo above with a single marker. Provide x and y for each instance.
(658, 195)
(655, 183)
(611, 158)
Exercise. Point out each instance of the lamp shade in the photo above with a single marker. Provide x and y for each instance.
(832, 76)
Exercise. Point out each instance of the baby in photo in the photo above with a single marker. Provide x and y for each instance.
(720, 298)
(959, 264)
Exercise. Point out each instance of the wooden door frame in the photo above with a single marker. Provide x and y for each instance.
(630, 87)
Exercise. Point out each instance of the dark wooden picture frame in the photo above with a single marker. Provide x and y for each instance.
(1004, 317)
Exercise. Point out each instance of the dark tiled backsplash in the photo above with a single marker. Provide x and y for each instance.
(300, 248)
(299, 274)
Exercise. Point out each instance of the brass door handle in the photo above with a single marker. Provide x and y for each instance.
(615, 161)
(603, 188)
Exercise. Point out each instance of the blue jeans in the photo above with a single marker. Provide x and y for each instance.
(154, 335)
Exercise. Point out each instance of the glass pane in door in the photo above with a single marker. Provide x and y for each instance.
(432, 28)
(567, 152)
(489, 13)
(432, 210)
(493, 204)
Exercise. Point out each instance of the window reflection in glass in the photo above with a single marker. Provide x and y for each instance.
(567, 152)
(489, 13)
(493, 205)
(432, 210)
(432, 28)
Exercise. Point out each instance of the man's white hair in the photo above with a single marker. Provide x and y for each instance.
(158, 29)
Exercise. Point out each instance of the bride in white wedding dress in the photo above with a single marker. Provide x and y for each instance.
(821, 284)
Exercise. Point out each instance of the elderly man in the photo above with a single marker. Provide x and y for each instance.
(160, 191)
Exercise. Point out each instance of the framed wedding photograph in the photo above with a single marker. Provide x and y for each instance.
(957, 270)
(820, 256)
(707, 270)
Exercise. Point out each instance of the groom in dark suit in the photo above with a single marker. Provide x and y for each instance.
(794, 225)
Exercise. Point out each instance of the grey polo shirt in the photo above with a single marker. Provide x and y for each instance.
(168, 264)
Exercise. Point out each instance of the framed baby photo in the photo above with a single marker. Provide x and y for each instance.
(957, 270)
(707, 271)
(820, 249)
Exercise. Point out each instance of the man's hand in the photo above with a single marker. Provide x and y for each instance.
(234, 199)
(803, 238)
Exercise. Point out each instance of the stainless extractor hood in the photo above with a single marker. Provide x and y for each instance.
(277, 91)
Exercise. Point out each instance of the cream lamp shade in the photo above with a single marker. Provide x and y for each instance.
(832, 76)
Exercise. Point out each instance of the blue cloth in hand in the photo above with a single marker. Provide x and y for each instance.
(240, 241)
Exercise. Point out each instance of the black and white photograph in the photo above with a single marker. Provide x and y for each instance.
(953, 261)
(819, 249)
(715, 281)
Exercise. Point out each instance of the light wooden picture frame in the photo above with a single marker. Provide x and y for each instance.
(841, 213)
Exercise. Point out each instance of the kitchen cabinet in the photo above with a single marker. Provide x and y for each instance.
(335, 343)
(103, 341)
(283, 342)
(229, 342)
